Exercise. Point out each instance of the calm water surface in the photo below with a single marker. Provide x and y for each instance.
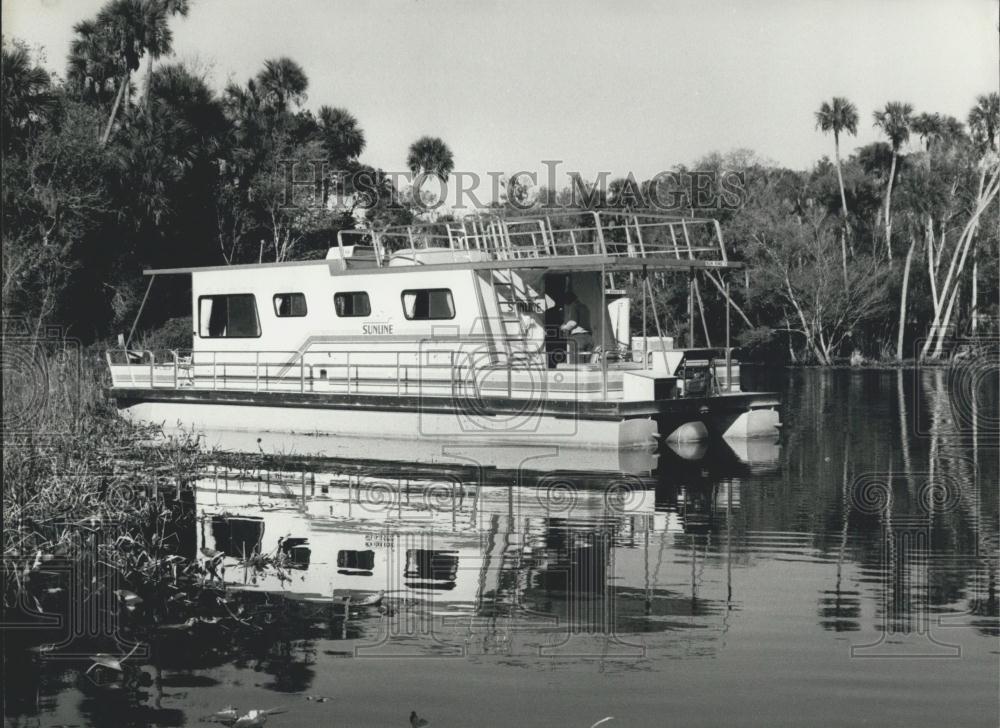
(846, 575)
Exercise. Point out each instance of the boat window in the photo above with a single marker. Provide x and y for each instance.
(352, 303)
(290, 304)
(232, 316)
(428, 304)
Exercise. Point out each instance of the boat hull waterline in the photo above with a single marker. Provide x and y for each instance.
(590, 424)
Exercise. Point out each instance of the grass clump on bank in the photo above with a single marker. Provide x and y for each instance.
(75, 472)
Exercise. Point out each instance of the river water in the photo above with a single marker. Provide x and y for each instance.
(844, 575)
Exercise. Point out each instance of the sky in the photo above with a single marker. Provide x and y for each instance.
(623, 87)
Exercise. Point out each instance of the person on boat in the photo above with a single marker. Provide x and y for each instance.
(576, 329)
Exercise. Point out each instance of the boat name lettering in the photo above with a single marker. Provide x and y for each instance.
(376, 329)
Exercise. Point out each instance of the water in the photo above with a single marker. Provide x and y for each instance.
(844, 575)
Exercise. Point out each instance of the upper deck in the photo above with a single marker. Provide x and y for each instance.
(613, 239)
(572, 241)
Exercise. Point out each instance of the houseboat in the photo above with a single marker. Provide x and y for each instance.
(485, 330)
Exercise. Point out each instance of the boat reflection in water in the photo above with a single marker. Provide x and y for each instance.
(458, 547)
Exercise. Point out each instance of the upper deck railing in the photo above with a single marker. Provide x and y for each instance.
(615, 234)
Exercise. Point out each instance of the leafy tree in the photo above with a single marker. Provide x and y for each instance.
(169, 8)
(430, 156)
(27, 94)
(895, 121)
(984, 121)
(56, 203)
(282, 82)
(838, 116)
(131, 28)
(343, 138)
(92, 67)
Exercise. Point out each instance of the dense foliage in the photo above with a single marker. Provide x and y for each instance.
(887, 248)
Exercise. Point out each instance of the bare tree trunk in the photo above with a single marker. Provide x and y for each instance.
(949, 288)
(931, 267)
(942, 331)
(791, 350)
(114, 108)
(843, 205)
(902, 298)
(974, 302)
(149, 84)
(888, 206)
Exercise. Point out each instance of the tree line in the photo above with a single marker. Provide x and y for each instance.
(104, 176)
(889, 254)
(884, 252)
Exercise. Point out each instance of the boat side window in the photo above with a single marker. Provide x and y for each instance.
(232, 316)
(428, 304)
(352, 303)
(290, 305)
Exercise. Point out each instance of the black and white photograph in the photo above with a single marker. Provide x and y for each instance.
(441, 363)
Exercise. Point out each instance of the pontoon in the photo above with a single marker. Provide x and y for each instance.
(460, 332)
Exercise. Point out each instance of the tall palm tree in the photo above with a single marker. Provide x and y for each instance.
(839, 115)
(92, 69)
(894, 121)
(984, 121)
(430, 155)
(170, 8)
(27, 96)
(282, 81)
(131, 28)
(343, 138)
(929, 127)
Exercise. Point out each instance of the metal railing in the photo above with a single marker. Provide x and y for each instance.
(436, 371)
(418, 372)
(559, 234)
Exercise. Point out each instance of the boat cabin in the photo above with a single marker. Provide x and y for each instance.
(481, 310)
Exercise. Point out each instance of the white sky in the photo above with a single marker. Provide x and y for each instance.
(603, 86)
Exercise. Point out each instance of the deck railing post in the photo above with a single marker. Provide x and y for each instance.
(691, 308)
(302, 372)
(722, 245)
(604, 338)
(600, 233)
(256, 371)
(729, 351)
(638, 234)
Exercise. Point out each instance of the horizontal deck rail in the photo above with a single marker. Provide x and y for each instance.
(616, 234)
(456, 373)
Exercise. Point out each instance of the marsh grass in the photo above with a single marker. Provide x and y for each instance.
(72, 469)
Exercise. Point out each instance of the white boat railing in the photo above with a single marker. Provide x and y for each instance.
(455, 373)
(553, 235)
(438, 372)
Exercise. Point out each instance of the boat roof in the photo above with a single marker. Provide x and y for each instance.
(580, 263)
(600, 240)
